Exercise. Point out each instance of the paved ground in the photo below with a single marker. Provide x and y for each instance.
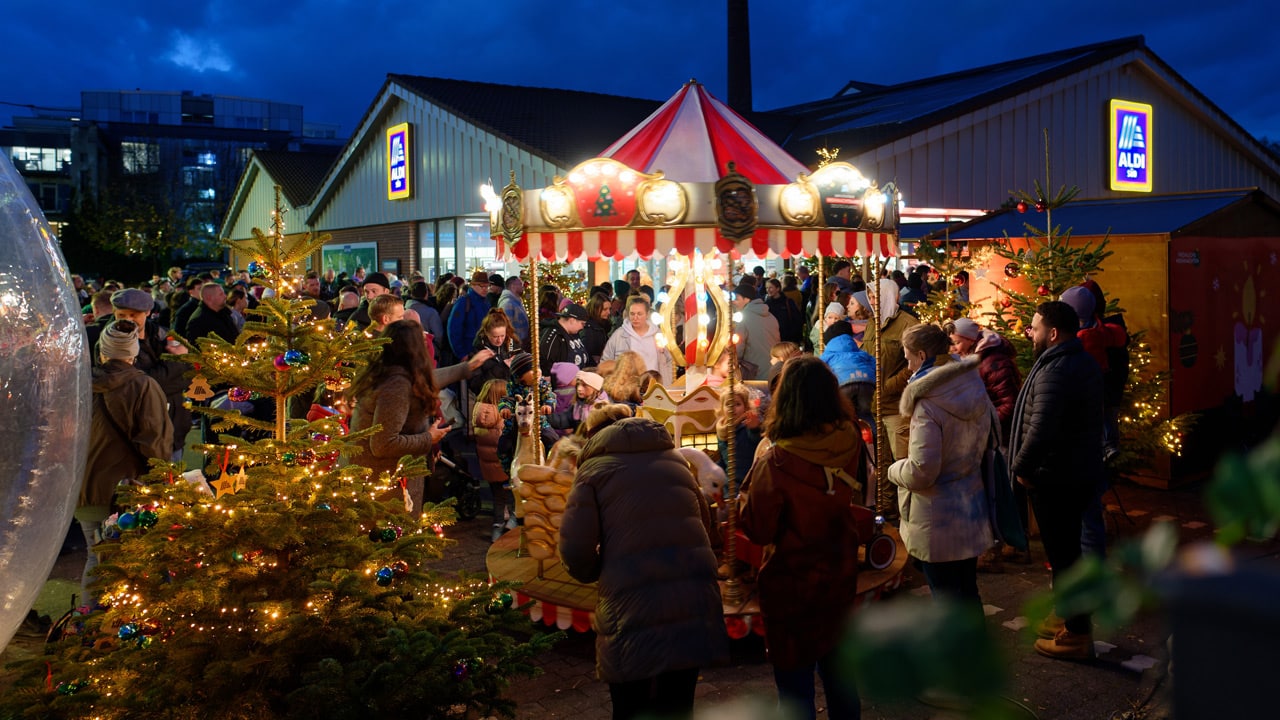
(1127, 682)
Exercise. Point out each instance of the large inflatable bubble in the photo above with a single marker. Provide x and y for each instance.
(44, 397)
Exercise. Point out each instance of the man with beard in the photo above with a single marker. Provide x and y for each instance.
(1055, 453)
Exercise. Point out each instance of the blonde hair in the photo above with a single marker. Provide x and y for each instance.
(623, 384)
(783, 350)
(492, 391)
(724, 416)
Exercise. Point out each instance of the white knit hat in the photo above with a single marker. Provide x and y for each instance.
(834, 308)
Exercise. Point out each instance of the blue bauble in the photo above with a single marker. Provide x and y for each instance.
(128, 630)
(293, 358)
(385, 576)
(127, 521)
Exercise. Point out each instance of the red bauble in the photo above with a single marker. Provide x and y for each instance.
(1040, 206)
(1022, 206)
(1043, 290)
(1006, 301)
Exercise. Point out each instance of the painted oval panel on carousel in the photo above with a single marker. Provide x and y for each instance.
(45, 393)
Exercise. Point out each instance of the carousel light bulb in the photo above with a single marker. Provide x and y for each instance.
(656, 318)
(663, 297)
(737, 317)
(716, 263)
(660, 339)
(704, 318)
(627, 176)
(735, 338)
(796, 201)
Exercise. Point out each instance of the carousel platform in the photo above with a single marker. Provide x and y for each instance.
(559, 601)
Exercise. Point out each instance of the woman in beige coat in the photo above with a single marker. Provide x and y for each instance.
(945, 522)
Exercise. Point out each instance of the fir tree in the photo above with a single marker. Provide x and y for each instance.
(300, 589)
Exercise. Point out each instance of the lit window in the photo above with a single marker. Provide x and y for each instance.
(207, 194)
(207, 159)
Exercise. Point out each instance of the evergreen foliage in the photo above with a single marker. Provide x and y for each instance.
(303, 588)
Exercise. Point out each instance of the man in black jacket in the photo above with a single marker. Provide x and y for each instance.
(561, 341)
(1055, 453)
(213, 316)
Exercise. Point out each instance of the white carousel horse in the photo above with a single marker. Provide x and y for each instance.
(526, 450)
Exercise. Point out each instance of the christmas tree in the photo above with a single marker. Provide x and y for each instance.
(301, 588)
(604, 203)
(1041, 268)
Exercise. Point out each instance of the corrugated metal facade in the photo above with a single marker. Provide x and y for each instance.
(976, 159)
(451, 159)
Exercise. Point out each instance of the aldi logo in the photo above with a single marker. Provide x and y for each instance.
(1130, 148)
(398, 186)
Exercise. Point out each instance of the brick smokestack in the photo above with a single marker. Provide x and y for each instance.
(739, 56)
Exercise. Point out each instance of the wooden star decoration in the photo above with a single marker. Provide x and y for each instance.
(224, 485)
(241, 481)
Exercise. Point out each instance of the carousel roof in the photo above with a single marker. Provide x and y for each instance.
(693, 137)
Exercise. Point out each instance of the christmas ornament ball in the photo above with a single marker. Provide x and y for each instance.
(127, 521)
(1043, 291)
(506, 599)
(1006, 301)
(399, 568)
(323, 506)
(147, 519)
(1012, 270)
(256, 269)
(294, 358)
(385, 575)
(127, 631)
(289, 458)
(461, 671)
(389, 534)
(281, 363)
(1022, 206)
(239, 394)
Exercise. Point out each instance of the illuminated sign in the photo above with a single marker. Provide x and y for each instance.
(398, 186)
(1130, 148)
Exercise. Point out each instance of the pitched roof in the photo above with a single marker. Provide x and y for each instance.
(866, 116)
(693, 137)
(564, 126)
(299, 174)
(1135, 215)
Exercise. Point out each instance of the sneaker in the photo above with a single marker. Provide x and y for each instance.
(1067, 645)
(1049, 628)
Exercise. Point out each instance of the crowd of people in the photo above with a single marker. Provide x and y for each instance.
(796, 399)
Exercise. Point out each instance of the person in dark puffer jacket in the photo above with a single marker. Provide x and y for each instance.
(637, 522)
(1054, 451)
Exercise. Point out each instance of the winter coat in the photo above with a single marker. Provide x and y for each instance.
(999, 370)
(594, 336)
(893, 364)
(129, 426)
(513, 306)
(758, 333)
(487, 425)
(558, 346)
(464, 321)
(626, 339)
(405, 425)
(637, 523)
(182, 315)
(1056, 436)
(206, 321)
(431, 321)
(168, 373)
(942, 504)
(496, 367)
(809, 579)
(848, 362)
(790, 319)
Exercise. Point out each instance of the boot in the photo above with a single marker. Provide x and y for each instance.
(1067, 645)
(991, 561)
(1016, 556)
(1049, 628)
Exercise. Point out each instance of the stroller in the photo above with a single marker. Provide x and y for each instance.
(450, 479)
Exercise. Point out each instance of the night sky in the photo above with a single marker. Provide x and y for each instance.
(331, 56)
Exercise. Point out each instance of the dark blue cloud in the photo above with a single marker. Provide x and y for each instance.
(332, 56)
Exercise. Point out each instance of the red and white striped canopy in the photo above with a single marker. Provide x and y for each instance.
(648, 242)
(693, 137)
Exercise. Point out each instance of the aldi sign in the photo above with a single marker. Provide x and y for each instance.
(1130, 146)
(398, 186)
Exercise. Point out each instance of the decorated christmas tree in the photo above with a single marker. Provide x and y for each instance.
(1040, 268)
(298, 587)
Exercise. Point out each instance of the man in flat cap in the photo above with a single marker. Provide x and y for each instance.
(153, 342)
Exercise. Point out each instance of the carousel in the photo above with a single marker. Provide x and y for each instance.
(696, 185)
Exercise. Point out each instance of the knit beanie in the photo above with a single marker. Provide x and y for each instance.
(119, 341)
(967, 328)
(1080, 300)
(521, 363)
(834, 308)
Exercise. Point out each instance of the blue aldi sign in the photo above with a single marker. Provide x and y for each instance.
(398, 186)
(1130, 147)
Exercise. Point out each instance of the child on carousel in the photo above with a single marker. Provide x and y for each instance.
(521, 386)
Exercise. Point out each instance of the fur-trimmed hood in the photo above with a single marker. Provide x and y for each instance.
(953, 385)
